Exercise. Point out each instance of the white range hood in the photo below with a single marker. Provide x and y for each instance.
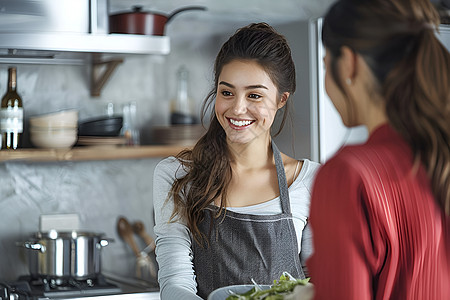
(65, 48)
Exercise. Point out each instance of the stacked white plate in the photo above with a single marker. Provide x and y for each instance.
(58, 130)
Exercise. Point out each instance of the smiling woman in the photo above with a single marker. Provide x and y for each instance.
(224, 213)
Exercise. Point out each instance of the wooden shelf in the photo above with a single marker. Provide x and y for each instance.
(90, 153)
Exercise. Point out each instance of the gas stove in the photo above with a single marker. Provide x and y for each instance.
(27, 287)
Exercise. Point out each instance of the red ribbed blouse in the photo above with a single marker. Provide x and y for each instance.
(378, 232)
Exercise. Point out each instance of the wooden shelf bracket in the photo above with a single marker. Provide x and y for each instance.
(100, 74)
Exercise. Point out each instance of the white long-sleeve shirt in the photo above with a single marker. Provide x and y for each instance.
(173, 243)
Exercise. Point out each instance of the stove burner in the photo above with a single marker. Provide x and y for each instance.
(59, 287)
(50, 283)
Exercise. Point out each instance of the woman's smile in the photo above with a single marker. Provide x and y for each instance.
(239, 124)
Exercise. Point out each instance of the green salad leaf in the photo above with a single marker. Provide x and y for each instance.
(284, 286)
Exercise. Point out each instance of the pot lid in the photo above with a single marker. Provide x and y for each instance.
(138, 9)
(74, 234)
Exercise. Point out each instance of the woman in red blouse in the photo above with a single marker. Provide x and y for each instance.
(380, 211)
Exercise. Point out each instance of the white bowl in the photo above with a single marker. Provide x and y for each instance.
(54, 138)
(63, 118)
(223, 292)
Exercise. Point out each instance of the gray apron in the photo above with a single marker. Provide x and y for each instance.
(243, 246)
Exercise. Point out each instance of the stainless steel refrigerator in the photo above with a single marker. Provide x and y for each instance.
(328, 133)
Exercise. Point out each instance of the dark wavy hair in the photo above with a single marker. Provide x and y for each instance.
(398, 42)
(208, 163)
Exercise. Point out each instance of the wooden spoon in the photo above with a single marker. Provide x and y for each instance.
(139, 229)
(126, 233)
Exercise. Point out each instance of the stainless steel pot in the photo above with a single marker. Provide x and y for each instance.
(73, 254)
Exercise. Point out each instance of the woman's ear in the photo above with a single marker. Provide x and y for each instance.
(283, 100)
(349, 64)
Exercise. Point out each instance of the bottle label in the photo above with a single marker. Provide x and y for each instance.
(11, 119)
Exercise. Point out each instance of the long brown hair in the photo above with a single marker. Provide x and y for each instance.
(208, 163)
(397, 40)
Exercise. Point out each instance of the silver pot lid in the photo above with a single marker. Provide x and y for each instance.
(74, 234)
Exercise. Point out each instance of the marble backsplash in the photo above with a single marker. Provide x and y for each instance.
(99, 191)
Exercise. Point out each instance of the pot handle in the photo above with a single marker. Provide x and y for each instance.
(33, 246)
(137, 8)
(104, 243)
(177, 11)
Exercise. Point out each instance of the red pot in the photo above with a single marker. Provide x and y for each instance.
(142, 22)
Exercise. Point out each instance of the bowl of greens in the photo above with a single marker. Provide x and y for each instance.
(280, 288)
(231, 290)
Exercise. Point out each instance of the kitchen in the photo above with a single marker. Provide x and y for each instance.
(100, 191)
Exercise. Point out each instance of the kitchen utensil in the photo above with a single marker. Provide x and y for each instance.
(177, 118)
(186, 135)
(53, 137)
(182, 106)
(143, 22)
(65, 254)
(143, 263)
(300, 292)
(64, 118)
(109, 126)
(56, 130)
(139, 229)
(126, 233)
(226, 291)
(101, 141)
(130, 129)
